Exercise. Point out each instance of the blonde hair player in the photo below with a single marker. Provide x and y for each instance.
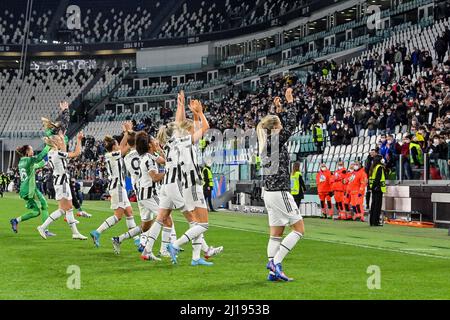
(146, 188)
(116, 174)
(172, 192)
(57, 159)
(281, 207)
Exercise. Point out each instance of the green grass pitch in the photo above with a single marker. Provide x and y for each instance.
(330, 263)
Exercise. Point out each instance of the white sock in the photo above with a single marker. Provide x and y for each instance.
(18, 219)
(173, 235)
(165, 238)
(143, 238)
(130, 233)
(152, 234)
(273, 246)
(55, 215)
(191, 234)
(287, 245)
(71, 221)
(131, 223)
(108, 223)
(196, 247)
(205, 246)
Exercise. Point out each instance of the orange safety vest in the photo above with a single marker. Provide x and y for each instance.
(337, 181)
(357, 182)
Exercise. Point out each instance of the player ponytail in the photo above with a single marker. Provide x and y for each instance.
(166, 132)
(267, 123)
(186, 126)
(142, 143)
(110, 142)
(131, 139)
(54, 142)
(22, 151)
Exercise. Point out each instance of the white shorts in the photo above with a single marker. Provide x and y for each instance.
(170, 197)
(281, 208)
(148, 208)
(194, 198)
(119, 198)
(62, 191)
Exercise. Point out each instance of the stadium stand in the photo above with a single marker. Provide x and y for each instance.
(210, 16)
(23, 103)
(109, 21)
(109, 80)
(12, 20)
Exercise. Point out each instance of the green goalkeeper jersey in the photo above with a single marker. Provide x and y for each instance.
(27, 172)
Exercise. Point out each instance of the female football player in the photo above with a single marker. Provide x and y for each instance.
(146, 188)
(281, 207)
(178, 191)
(35, 201)
(116, 173)
(58, 158)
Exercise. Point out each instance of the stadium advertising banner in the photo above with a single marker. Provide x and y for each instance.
(63, 64)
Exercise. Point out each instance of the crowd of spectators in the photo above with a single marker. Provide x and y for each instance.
(415, 98)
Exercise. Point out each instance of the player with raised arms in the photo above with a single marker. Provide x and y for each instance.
(35, 200)
(172, 191)
(57, 159)
(116, 173)
(281, 207)
(146, 188)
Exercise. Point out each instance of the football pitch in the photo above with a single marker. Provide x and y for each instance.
(335, 261)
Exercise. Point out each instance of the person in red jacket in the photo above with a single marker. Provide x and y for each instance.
(357, 184)
(323, 181)
(338, 188)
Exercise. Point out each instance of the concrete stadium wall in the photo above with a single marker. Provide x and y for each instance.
(172, 56)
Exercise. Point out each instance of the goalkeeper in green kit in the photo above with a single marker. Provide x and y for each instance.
(35, 200)
(28, 164)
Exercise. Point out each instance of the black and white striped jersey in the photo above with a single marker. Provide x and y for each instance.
(132, 163)
(58, 163)
(190, 171)
(115, 168)
(172, 166)
(147, 187)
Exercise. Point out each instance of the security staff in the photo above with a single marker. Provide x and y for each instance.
(298, 186)
(377, 183)
(255, 167)
(208, 185)
(318, 136)
(202, 144)
(415, 153)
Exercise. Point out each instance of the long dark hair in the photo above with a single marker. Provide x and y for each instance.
(142, 143)
(22, 151)
(109, 143)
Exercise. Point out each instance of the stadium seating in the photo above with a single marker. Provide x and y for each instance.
(12, 20)
(112, 20)
(109, 80)
(210, 16)
(22, 104)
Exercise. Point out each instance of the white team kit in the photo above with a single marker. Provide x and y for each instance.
(132, 163)
(171, 193)
(115, 167)
(58, 162)
(191, 177)
(148, 197)
(282, 210)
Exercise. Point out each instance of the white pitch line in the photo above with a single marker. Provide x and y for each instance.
(404, 251)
